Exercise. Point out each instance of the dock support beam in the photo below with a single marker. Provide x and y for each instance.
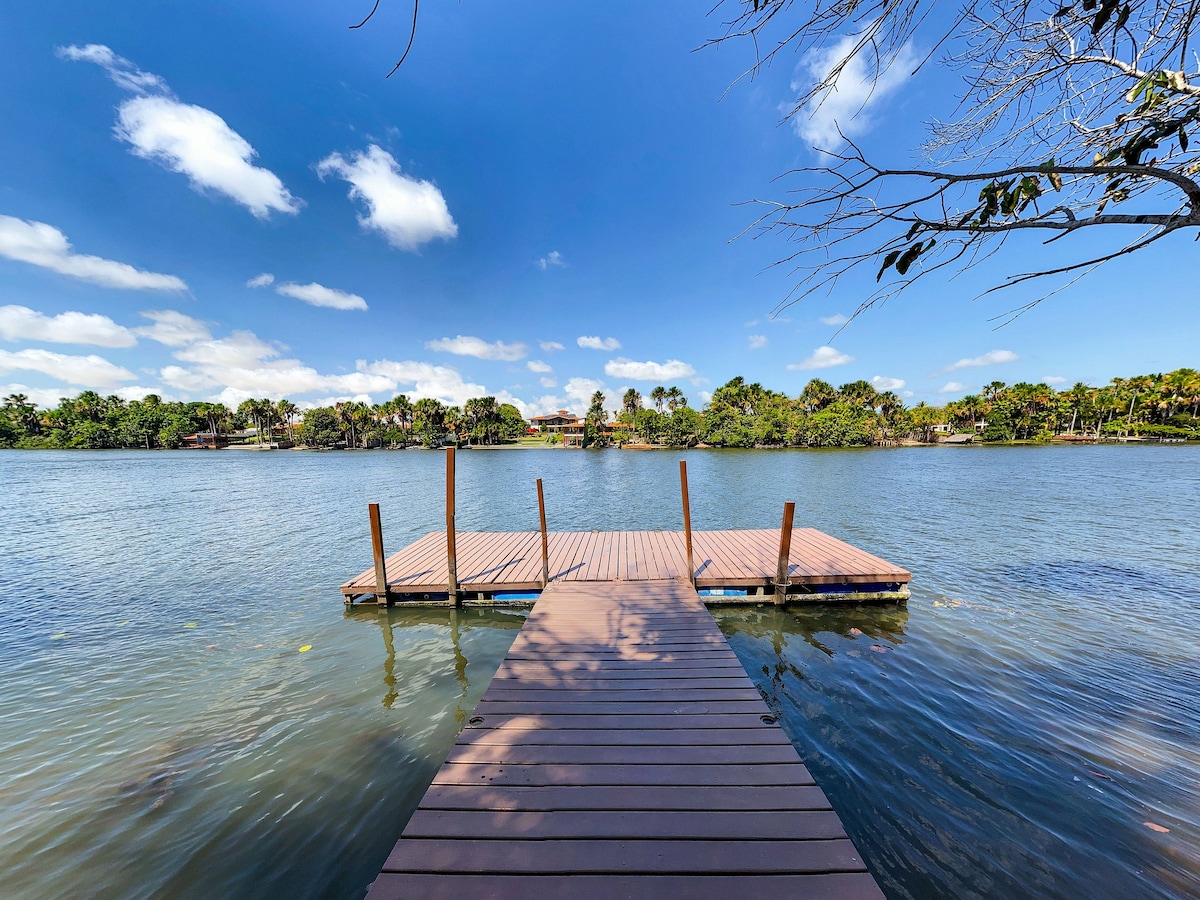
(785, 551)
(687, 522)
(451, 562)
(545, 539)
(381, 585)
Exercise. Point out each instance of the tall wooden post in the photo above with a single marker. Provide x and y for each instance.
(381, 588)
(451, 562)
(785, 551)
(545, 542)
(687, 522)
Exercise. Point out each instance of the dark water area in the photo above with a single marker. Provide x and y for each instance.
(1029, 726)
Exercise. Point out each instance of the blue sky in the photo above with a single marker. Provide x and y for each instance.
(204, 201)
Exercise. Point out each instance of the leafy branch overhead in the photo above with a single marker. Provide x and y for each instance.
(1071, 118)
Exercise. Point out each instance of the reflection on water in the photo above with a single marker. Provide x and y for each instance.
(1015, 732)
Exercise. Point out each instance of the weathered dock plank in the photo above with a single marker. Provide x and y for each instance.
(622, 750)
(489, 562)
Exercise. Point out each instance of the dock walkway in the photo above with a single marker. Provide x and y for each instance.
(622, 751)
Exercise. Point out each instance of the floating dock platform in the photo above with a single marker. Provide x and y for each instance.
(622, 751)
(728, 566)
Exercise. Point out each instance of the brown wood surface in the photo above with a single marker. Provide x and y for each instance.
(499, 561)
(621, 750)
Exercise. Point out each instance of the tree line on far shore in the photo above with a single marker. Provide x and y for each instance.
(738, 415)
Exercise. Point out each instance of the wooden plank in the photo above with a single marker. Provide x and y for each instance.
(568, 856)
(765, 774)
(732, 737)
(642, 797)
(840, 886)
(631, 754)
(639, 824)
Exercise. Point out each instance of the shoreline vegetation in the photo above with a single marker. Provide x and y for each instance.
(1162, 407)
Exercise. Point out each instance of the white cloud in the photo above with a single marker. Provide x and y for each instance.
(465, 345)
(427, 380)
(536, 365)
(835, 319)
(847, 106)
(185, 380)
(47, 398)
(671, 370)
(883, 383)
(581, 389)
(952, 387)
(592, 342)
(1054, 379)
(119, 69)
(550, 346)
(992, 357)
(548, 382)
(822, 358)
(89, 371)
(406, 211)
(196, 142)
(318, 295)
(172, 328)
(706, 397)
(20, 323)
(44, 245)
(907, 394)
(553, 260)
(758, 341)
(262, 280)
(139, 392)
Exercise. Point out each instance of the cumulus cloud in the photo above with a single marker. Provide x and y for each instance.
(758, 341)
(991, 358)
(440, 382)
(407, 212)
(89, 371)
(581, 389)
(44, 245)
(1053, 379)
(952, 387)
(184, 380)
(47, 398)
(262, 280)
(172, 328)
(548, 382)
(196, 142)
(465, 345)
(536, 365)
(552, 260)
(671, 370)
(835, 319)
(822, 358)
(846, 108)
(550, 346)
(318, 295)
(593, 342)
(883, 383)
(190, 140)
(20, 323)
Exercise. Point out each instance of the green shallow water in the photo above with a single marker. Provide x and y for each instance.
(1006, 735)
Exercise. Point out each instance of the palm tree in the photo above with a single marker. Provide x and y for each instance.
(817, 395)
(658, 395)
(675, 399)
(286, 410)
(631, 402)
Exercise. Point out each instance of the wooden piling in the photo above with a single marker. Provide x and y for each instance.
(785, 551)
(451, 562)
(381, 588)
(545, 539)
(687, 522)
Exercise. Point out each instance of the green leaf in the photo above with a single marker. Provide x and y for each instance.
(909, 257)
(1122, 18)
(1107, 8)
(1183, 138)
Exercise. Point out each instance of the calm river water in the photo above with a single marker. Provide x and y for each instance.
(1028, 727)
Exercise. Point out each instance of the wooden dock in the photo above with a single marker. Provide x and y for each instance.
(621, 751)
(819, 567)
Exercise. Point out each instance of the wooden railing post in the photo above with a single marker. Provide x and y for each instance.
(785, 551)
(451, 562)
(687, 522)
(381, 586)
(545, 542)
